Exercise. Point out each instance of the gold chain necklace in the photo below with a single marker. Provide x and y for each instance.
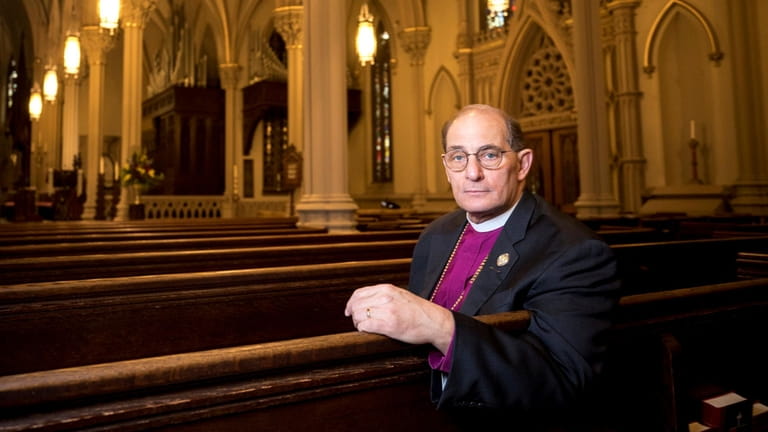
(445, 270)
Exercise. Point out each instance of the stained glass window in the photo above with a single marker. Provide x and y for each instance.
(12, 83)
(381, 99)
(497, 12)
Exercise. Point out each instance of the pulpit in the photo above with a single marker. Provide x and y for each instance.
(183, 131)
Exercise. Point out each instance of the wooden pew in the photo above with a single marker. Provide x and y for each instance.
(72, 323)
(58, 232)
(229, 240)
(69, 238)
(116, 264)
(214, 239)
(89, 227)
(619, 235)
(750, 265)
(709, 259)
(342, 381)
(657, 266)
(715, 228)
(117, 318)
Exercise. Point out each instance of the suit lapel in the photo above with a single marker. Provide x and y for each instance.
(502, 258)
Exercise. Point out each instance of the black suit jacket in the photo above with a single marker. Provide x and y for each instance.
(557, 269)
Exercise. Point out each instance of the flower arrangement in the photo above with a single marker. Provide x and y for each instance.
(139, 171)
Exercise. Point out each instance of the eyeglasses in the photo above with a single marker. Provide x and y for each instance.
(456, 160)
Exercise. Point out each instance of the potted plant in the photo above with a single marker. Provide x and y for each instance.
(139, 175)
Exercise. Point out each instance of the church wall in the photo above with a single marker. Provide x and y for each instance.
(685, 85)
(441, 72)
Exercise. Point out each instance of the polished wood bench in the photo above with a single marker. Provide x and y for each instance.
(87, 226)
(54, 238)
(656, 266)
(111, 318)
(193, 241)
(752, 265)
(344, 380)
(71, 323)
(116, 263)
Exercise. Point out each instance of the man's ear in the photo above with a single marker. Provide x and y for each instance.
(525, 160)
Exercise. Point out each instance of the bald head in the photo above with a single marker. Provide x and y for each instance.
(513, 133)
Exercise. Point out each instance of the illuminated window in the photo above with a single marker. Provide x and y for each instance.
(381, 100)
(497, 12)
(12, 80)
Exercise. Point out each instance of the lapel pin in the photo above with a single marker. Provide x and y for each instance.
(502, 260)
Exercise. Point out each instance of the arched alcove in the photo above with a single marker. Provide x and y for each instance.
(444, 100)
(684, 77)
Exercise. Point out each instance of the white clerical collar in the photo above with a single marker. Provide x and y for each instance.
(494, 222)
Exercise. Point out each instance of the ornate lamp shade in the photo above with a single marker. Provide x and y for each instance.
(50, 85)
(35, 103)
(72, 54)
(497, 6)
(109, 14)
(366, 37)
(498, 11)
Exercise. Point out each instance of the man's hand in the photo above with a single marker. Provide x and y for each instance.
(391, 311)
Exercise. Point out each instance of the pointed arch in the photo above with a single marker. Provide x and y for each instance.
(669, 9)
(522, 48)
(443, 101)
(442, 79)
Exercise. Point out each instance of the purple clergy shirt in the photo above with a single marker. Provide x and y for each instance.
(472, 249)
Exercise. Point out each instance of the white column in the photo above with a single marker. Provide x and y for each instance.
(415, 41)
(96, 44)
(751, 187)
(134, 15)
(631, 156)
(69, 127)
(596, 198)
(288, 21)
(289, 18)
(230, 74)
(326, 200)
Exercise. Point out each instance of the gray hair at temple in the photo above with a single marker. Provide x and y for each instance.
(514, 135)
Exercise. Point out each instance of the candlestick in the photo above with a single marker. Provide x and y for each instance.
(693, 129)
(101, 165)
(50, 181)
(79, 187)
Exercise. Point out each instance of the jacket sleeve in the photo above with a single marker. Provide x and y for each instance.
(571, 302)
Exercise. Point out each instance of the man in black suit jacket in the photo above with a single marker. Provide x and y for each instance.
(504, 249)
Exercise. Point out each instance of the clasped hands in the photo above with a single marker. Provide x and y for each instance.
(397, 313)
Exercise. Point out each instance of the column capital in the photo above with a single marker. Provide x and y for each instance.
(623, 16)
(96, 43)
(229, 74)
(288, 22)
(622, 4)
(135, 12)
(415, 41)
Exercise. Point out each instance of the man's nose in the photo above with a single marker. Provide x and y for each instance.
(473, 170)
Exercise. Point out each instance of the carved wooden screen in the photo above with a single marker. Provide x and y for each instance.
(555, 171)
